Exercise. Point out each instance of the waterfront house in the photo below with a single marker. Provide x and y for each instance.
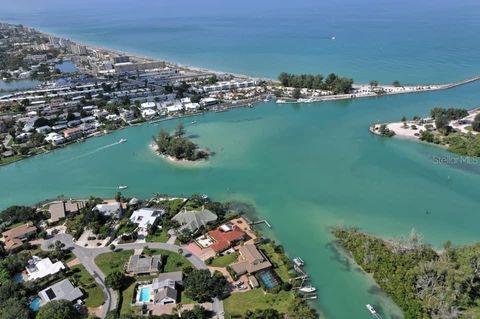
(63, 290)
(144, 265)
(146, 216)
(38, 268)
(72, 133)
(225, 236)
(60, 209)
(191, 221)
(251, 260)
(109, 208)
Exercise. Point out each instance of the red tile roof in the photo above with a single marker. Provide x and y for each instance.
(224, 240)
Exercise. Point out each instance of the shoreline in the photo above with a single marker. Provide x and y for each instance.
(175, 161)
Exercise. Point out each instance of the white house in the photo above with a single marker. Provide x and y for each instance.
(192, 106)
(146, 216)
(39, 268)
(148, 105)
(109, 209)
(148, 113)
(54, 138)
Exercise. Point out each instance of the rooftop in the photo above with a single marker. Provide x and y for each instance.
(140, 264)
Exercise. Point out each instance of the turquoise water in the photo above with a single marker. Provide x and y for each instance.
(305, 168)
(35, 304)
(145, 294)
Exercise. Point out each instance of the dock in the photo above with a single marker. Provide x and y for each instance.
(263, 221)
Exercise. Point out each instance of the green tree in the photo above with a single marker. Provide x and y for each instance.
(296, 93)
(396, 83)
(180, 130)
(15, 309)
(115, 280)
(268, 313)
(476, 123)
(58, 309)
(373, 83)
(202, 286)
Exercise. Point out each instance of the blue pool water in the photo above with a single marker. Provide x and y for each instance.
(268, 278)
(18, 278)
(35, 304)
(145, 294)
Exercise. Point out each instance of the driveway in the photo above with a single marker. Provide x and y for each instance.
(87, 257)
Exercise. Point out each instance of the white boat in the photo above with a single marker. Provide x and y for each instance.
(193, 122)
(307, 290)
(298, 262)
(123, 140)
(371, 309)
(266, 100)
(280, 101)
(333, 38)
(122, 187)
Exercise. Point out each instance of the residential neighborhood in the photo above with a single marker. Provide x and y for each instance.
(145, 258)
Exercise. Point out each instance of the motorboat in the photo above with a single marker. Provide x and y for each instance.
(298, 262)
(371, 309)
(122, 187)
(307, 289)
(123, 140)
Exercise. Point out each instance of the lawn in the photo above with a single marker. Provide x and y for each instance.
(94, 292)
(224, 261)
(238, 303)
(127, 297)
(172, 261)
(114, 261)
(11, 159)
(160, 236)
(281, 262)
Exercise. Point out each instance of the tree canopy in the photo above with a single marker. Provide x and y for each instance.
(115, 280)
(178, 146)
(202, 286)
(58, 309)
(424, 283)
(334, 83)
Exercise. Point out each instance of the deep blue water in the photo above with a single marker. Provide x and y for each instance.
(410, 41)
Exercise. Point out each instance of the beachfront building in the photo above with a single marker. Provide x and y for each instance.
(251, 260)
(63, 290)
(60, 209)
(109, 208)
(14, 238)
(146, 216)
(38, 268)
(191, 221)
(144, 265)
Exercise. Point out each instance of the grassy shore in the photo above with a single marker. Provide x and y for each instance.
(239, 303)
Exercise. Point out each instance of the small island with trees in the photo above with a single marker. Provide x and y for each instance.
(177, 147)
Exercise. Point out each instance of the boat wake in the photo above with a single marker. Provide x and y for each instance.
(99, 149)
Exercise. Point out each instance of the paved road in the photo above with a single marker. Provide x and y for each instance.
(87, 255)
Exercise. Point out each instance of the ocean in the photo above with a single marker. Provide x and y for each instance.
(305, 168)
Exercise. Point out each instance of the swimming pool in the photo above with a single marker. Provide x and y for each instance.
(144, 294)
(269, 279)
(35, 304)
(18, 277)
